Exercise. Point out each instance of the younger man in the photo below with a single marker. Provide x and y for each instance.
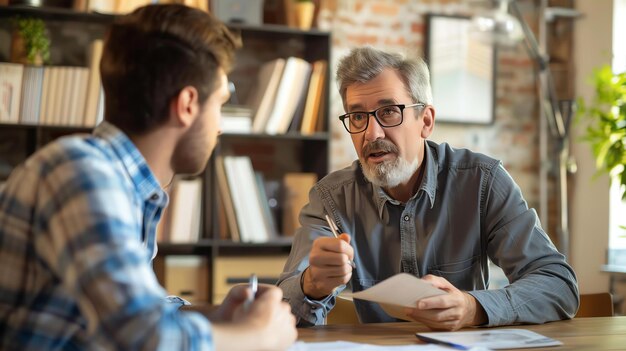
(78, 218)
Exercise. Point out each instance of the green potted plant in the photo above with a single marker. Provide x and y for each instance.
(30, 42)
(606, 131)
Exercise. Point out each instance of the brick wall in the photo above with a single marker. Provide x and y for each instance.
(399, 25)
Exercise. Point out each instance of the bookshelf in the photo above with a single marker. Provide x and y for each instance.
(271, 155)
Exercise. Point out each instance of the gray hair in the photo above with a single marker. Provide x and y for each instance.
(365, 63)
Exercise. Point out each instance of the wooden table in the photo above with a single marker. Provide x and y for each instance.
(600, 333)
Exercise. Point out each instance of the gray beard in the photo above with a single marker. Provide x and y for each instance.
(389, 174)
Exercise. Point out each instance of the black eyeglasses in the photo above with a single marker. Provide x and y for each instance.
(386, 116)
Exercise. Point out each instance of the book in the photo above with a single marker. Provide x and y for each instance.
(314, 107)
(11, 75)
(31, 94)
(490, 338)
(53, 96)
(264, 204)
(185, 210)
(46, 95)
(94, 87)
(296, 120)
(227, 201)
(290, 88)
(245, 196)
(295, 196)
(265, 92)
(236, 119)
(78, 107)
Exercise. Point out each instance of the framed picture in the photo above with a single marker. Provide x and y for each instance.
(462, 71)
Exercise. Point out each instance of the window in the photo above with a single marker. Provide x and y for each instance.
(617, 207)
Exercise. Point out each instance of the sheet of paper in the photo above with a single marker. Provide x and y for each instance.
(492, 338)
(353, 346)
(395, 293)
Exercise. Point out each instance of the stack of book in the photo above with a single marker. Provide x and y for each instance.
(52, 95)
(289, 96)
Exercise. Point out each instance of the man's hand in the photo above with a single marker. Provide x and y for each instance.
(234, 300)
(451, 311)
(266, 325)
(329, 266)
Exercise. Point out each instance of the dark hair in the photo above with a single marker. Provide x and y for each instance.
(151, 54)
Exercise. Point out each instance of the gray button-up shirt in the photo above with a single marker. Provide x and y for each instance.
(466, 211)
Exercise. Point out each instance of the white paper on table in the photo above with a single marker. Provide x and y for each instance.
(353, 346)
(492, 338)
(396, 293)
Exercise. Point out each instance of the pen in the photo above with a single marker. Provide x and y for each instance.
(441, 342)
(335, 230)
(254, 286)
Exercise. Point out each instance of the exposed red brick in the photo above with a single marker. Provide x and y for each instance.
(417, 27)
(362, 39)
(346, 20)
(329, 4)
(395, 41)
(371, 24)
(385, 9)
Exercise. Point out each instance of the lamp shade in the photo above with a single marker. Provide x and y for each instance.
(497, 26)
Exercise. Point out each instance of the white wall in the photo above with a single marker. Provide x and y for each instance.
(590, 197)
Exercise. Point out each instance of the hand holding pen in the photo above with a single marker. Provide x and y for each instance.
(335, 230)
(330, 264)
(254, 286)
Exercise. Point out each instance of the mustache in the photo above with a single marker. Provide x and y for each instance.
(379, 145)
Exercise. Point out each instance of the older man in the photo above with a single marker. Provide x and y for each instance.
(411, 205)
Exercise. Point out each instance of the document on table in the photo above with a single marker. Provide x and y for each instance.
(353, 346)
(398, 292)
(491, 338)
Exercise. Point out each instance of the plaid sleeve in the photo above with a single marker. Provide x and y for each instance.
(92, 240)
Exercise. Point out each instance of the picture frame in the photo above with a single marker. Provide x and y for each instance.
(462, 71)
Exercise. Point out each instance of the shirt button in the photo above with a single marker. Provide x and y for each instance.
(406, 218)
(154, 197)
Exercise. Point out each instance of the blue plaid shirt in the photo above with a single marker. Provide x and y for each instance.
(77, 235)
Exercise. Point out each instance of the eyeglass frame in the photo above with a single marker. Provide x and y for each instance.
(373, 113)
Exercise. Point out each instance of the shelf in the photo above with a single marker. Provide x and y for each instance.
(55, 13)
(273, 156)
(65, 14)
(230, 248)
(287, 136)
(277, 29)
(78, 129)
(250, 136)
(198, 248)
(226, 248)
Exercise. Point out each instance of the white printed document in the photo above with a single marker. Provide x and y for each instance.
(491, 338)
(398, 292)
(353, 346)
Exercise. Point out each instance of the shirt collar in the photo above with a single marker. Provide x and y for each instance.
(134, 163)
(428, 185)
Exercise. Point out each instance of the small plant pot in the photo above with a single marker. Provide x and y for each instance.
(19, 53)
(304, 14)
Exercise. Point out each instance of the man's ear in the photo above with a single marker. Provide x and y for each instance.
(184, 107)
(429, 121)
